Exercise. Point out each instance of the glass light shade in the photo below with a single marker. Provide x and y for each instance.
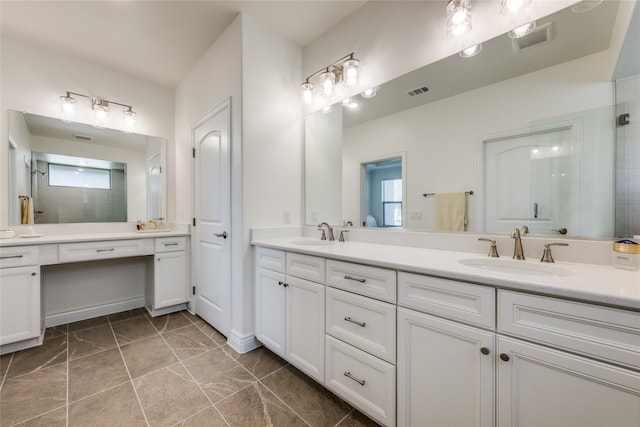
(471, 51)
(369, 93)
(129, 119)
(350, 72)
(328, 83)
(510, 7)
(67, 105)
(458, 18)
(100, 110)
(307, 92)
(522, 30)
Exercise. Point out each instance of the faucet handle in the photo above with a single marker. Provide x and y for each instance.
(525, 230)
(324, 235)
(546, 253)
(493, 251)
(341, 238)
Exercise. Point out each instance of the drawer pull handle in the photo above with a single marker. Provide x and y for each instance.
(11, 256)
(349, 319)
(484, 350)
(504, 357)
(105, 250)
(170, 244)
(346, 276)
(348, 375)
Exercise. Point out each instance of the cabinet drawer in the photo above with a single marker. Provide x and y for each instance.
(19, 256)
(605, 333)
(467, 303)
(271, 259)
(306, 267)
(74, 252)
(170, 244)
(369, 281)
(363, 322)
(364, 381)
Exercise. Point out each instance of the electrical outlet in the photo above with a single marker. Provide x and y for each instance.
(415, 215)
(286, 216)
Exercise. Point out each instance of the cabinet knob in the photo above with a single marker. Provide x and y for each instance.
(484, 350)
(280, 283)
(504, 357)
(34, 274)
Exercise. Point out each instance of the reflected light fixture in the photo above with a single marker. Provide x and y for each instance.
(458, 18)
(369, 93)
(100, 107)
(511, 7)
(585, 6)
(522, 30)
(345, 70)
(471, 51)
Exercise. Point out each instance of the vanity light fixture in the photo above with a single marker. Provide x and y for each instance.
(522, 30)
(100, 107)
(511, 7)
(458, 18)
(345, 70)
(471, 51)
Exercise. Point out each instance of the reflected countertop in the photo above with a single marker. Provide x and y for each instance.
(46, 239)
(599, 284)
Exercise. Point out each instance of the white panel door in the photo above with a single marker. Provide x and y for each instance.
(529, 181)
(19, 303)
(212, 218)
(270, 309)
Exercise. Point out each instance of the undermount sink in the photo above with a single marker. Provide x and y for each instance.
(515, 267)
(312, 242)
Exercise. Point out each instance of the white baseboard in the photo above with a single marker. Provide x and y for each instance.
(242, 344)
(91, 312)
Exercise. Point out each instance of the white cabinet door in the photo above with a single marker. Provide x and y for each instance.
(538, 386)
(19, 304)
(270, 310)
(445, 372)
(305, 326)
(170, 279)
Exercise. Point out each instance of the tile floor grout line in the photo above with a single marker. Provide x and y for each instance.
(37, 416)
(281, 400)
(6, 372)
(68, 357)
(126, 367)
(345, 417)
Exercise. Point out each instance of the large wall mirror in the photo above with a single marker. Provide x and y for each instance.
(527, 131)
(65, 172)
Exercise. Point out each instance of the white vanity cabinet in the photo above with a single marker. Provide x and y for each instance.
(571, 375)
(289, 308)
(20, 317)
(446, 368)
(167, 287)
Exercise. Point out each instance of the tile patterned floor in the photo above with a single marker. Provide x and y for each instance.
(130, 369)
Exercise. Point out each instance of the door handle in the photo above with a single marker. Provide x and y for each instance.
(223, 234)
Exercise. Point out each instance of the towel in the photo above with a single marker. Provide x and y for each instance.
(26, 210)
(451, 211)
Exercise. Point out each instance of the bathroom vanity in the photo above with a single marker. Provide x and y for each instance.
(77, 268)
(415, 337)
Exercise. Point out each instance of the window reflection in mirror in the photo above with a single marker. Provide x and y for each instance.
(382, 195)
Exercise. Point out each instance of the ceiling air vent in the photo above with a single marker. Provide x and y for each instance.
(82, 137)
(417, 91)
(542, 34)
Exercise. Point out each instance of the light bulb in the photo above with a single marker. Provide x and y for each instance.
(351, 72)
(307, 92)
(471, 51)
(510, 7)
(345, 102)
(328, 83)
(100, 110)
(67, 105)
(458, 18)
(522, 30)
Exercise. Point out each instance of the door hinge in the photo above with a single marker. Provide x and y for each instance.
(194, 153)
(194, 221)
(193, 290)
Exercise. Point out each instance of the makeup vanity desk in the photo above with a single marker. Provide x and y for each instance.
(53, 279)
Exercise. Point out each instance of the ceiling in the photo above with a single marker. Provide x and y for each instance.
(159, 40)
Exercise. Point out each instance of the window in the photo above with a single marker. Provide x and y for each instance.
(82, 177)
(392, 203)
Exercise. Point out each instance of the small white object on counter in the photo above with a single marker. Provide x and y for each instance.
(7, 233)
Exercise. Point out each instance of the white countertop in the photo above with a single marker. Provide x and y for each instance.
(46, 239)
(586, 282)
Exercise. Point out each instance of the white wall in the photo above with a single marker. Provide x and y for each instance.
(32, 79)
(394, 37)
(442, 147)
(21, 179)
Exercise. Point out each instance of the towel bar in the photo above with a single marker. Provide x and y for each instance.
(470, 192)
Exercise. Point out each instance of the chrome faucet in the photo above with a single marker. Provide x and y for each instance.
(329, 232)
(518, 252)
